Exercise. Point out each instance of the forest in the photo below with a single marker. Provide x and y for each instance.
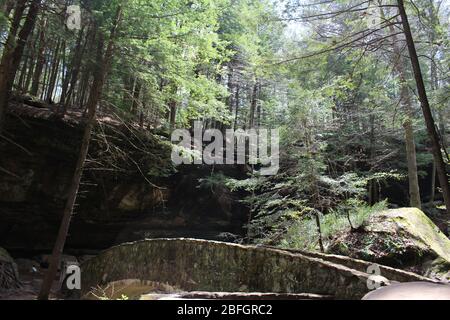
(95, 93)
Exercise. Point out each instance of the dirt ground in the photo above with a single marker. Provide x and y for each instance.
(31, 280)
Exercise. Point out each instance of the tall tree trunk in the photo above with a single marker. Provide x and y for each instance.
(434, 86)
(83, 87)
(229, 101)
(64, 69)
(414, 192)
(53, 72)
(46, 76)
(253, 103)
(173, 107)
(258, 108)
(94, 97)
(371, 191)
(7, 7)
(17, 17)
(40, 62)
(72, 76)
(136, 93)
(73, 191)
(128, 86)
(26, 85)
(319, 230)
(141, 119)
(21, 81)
(6, 61)
(236, 106)
(429, 121)
(406, 103)
(27, 71)
(13, 53)
(433, 182)
(172, 113)
(85, 79)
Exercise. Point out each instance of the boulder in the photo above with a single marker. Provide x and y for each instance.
(9, 274)
(411, 291)
(404, 238)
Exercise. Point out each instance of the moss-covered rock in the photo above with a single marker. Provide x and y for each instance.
(404, 238)
(9, 275)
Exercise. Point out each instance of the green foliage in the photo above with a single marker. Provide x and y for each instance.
(213, 181)
(247, 185)
(3, 21)
(279, 202)
(383, 176)
(303, 234)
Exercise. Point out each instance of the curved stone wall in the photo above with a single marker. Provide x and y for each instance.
(216, 266)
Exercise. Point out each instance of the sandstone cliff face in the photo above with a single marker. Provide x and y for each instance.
(127, 192)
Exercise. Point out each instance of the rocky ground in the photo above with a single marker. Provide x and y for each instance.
(31, 277)
(31, 273)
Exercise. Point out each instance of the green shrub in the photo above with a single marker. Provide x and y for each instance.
(303, 234)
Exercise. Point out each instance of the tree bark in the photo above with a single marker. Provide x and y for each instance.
(26, 85)
(45, 78)
(230, 98)
(433, 182)
(406, 103)
(251, 121)
(236, 106)
(128, 86)
(136, 94)
(40, 61)
(414, 191)
(21, 81)
(17, 17)
(319, 231)
(371, 189)
(173, 113)
(173, 107)
(83, 87)
(429, 121)
(94, 97)
(72, 76)
(258, 108)
(84, 81)
(13, 53)
(434, 86)
(53, 72)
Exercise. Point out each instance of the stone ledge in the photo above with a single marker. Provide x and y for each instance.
(201, 265)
